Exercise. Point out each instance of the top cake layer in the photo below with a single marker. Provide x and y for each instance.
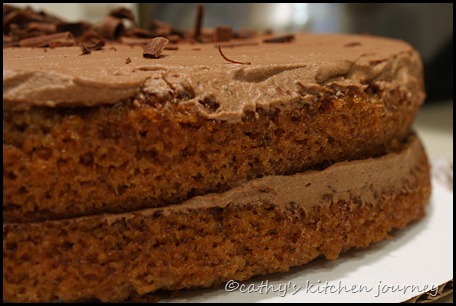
(299, 105)
(277, 72)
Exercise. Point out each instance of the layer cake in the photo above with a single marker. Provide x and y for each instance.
(125, 175)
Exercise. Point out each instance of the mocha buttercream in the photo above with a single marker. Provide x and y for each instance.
(278, 72)
(365, 180)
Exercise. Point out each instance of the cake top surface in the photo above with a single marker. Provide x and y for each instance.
(270, 72)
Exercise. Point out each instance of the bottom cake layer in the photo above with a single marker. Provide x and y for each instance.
(264, 226)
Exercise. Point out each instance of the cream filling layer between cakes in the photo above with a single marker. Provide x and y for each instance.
(365, 180)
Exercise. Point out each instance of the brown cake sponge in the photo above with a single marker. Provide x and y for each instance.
(266, 225)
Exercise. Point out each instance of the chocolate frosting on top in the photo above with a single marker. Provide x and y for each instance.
(278, 72)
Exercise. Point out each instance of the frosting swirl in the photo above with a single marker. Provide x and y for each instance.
(278, 72)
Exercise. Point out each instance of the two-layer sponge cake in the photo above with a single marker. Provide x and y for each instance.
(123, 175)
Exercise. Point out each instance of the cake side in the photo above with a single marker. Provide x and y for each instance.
(213, 238)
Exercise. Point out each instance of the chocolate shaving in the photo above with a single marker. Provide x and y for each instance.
(58, 44)
(95, 45)
(21, 18)
(7, 43)
(98, 46)
(155, 47)
(280, 39)
(78, 29)
(8, 9)
(112, 27)
(20, 25)
(199, 21)
(52, 40)
(352, 44)
(43, 27)
(229, 60)
(18, 33)
(223, 33)
(91, 46)
(84, 49)
(91, 36)
(29, 28)
(128, 61)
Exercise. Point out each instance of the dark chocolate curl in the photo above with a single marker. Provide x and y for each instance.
(199, 21)
(111, 27)
(76, 28)
(52, 40)
(280, 39)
